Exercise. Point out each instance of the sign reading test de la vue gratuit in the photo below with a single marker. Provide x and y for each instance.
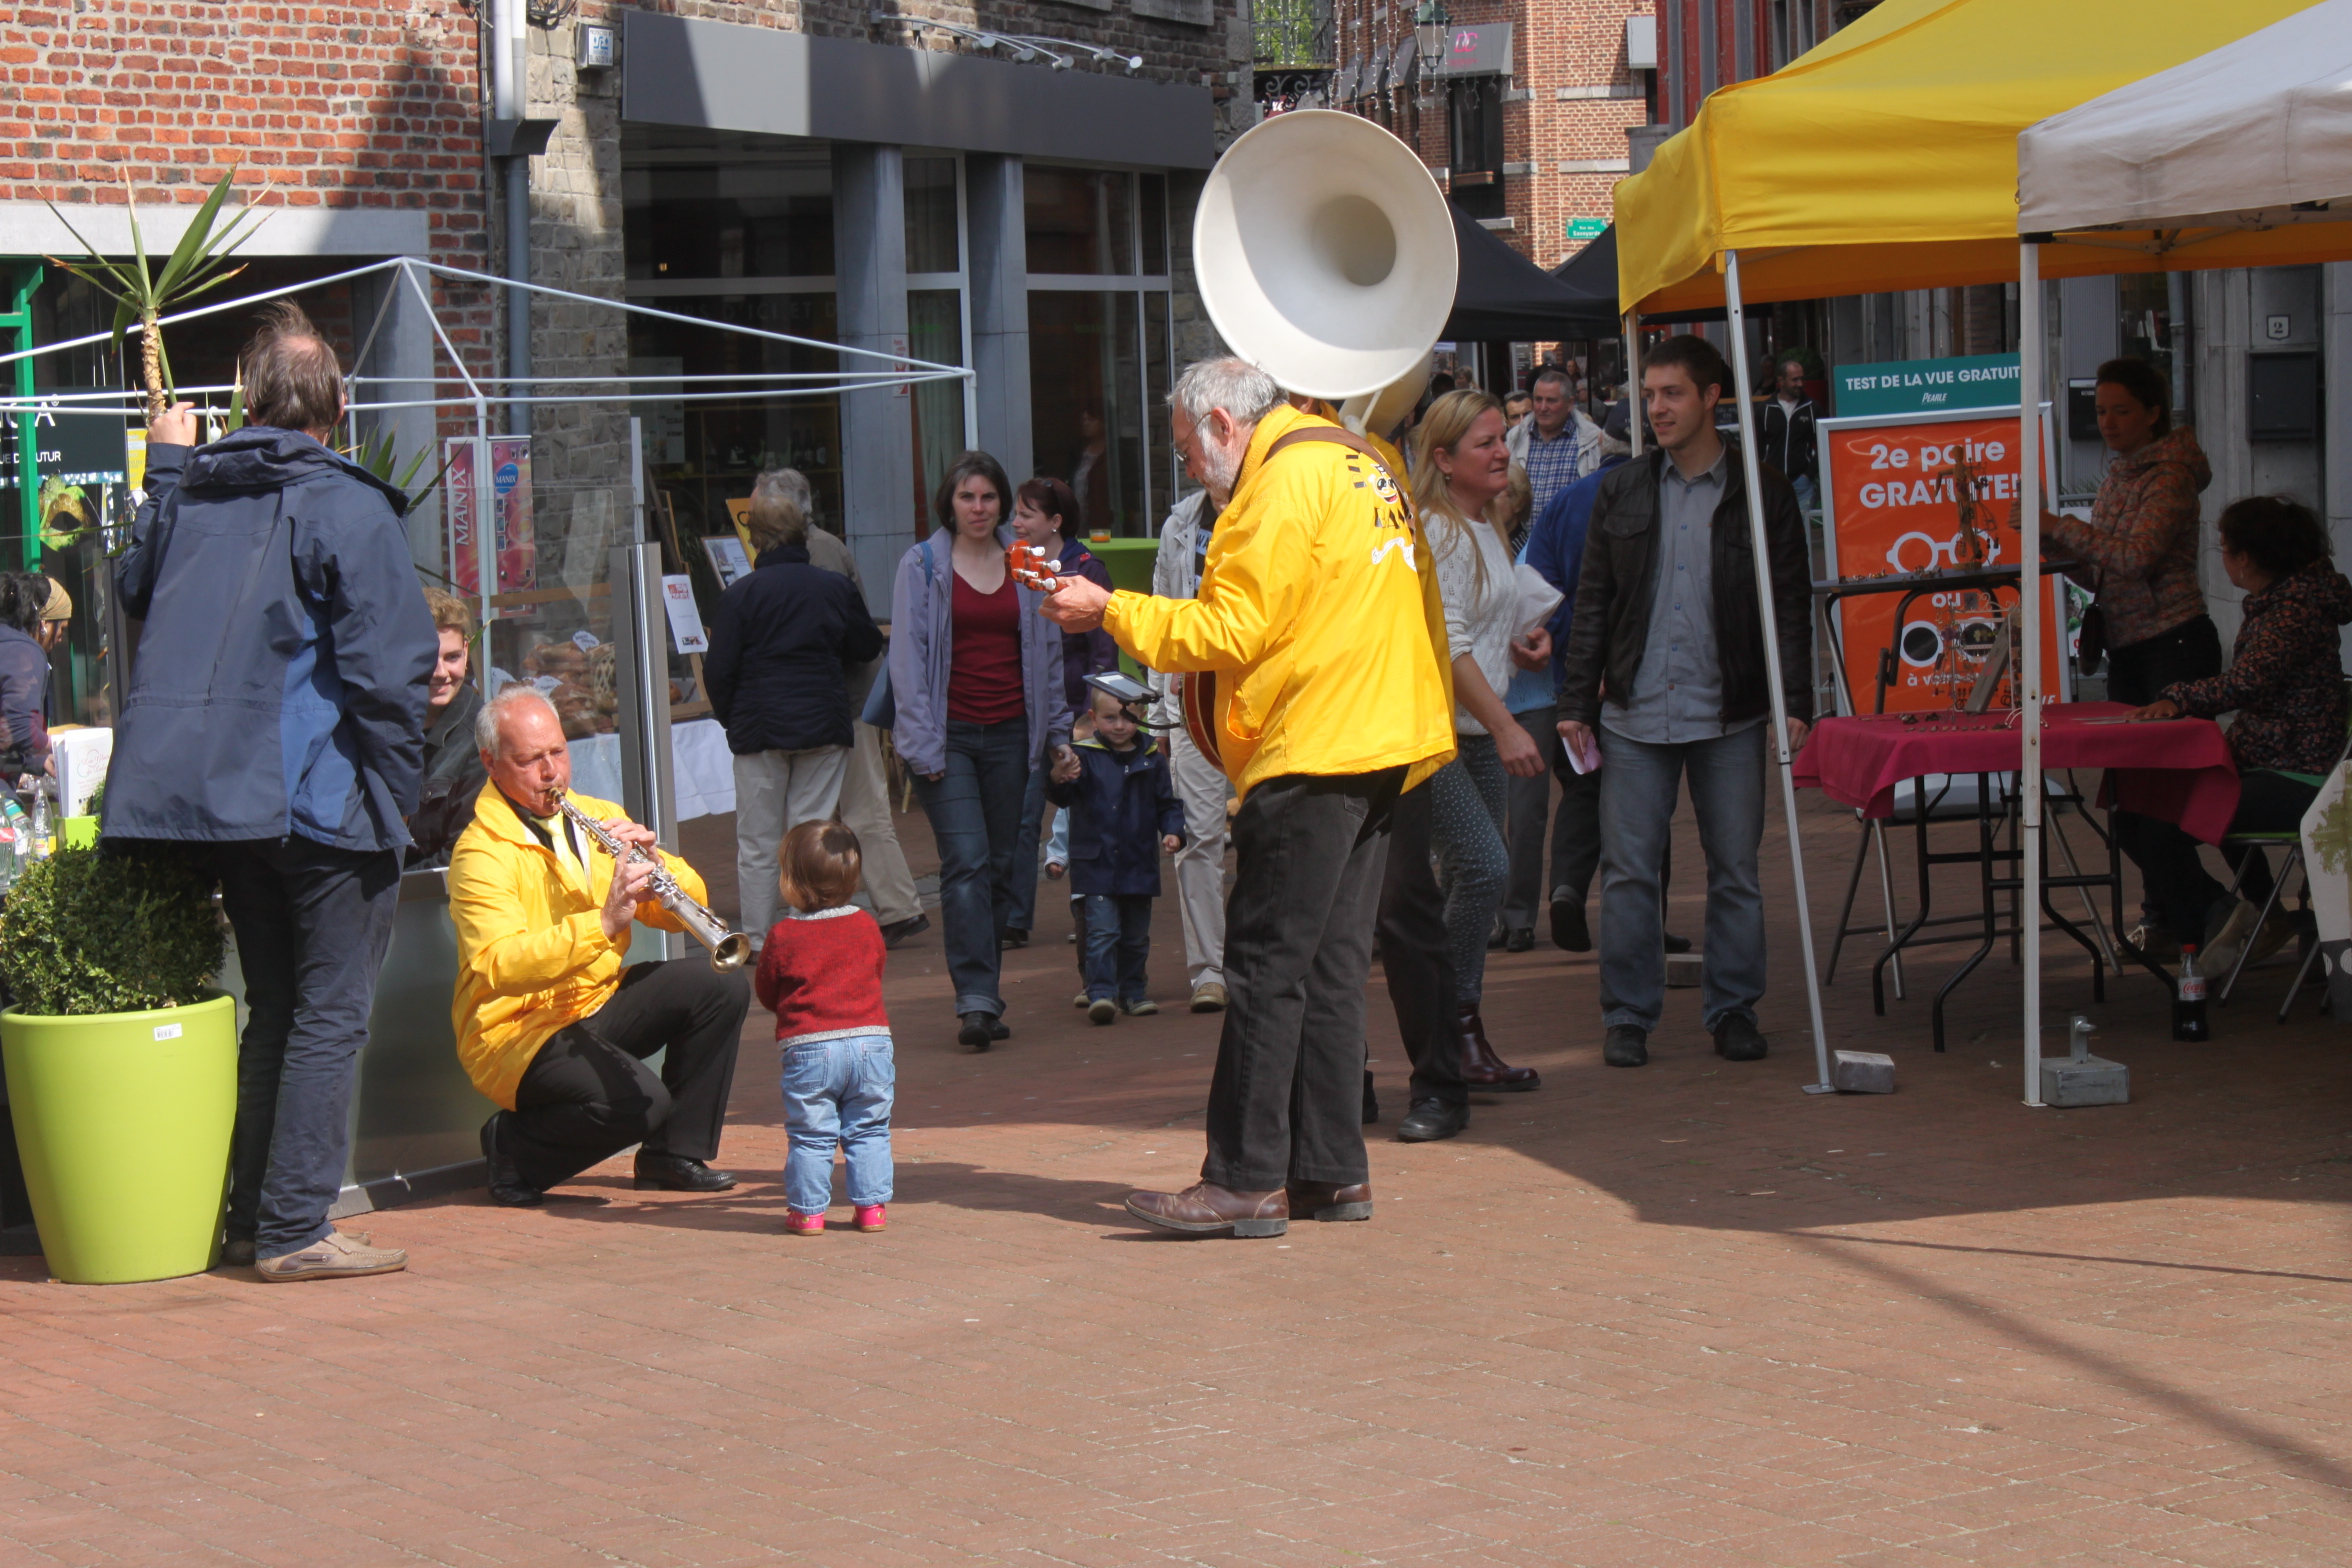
(1926, 386)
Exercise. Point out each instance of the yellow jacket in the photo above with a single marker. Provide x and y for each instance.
(532, 956)
(1321, 604)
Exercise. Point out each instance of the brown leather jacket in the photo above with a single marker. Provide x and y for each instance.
(1619, 580)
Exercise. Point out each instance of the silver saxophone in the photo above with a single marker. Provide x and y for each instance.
(728, 949)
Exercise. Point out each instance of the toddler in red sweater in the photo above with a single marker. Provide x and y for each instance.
(821, 975)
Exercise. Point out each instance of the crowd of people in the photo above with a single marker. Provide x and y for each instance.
(1395, 661)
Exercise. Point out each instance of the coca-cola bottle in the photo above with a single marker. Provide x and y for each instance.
(2188, 1003)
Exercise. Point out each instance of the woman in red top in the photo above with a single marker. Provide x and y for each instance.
(976, 675)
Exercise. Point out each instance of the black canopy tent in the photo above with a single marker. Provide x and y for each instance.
(1502, 297)
(1592, 271)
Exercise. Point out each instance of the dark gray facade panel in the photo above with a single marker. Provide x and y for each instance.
(678, 71)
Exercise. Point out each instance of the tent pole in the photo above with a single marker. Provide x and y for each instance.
(1633, 381)
(2031, 587)
(1754, 480)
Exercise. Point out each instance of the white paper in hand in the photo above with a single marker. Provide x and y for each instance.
(1584, 759)
(1537, 598)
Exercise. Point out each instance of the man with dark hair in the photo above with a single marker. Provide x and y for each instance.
(1667, 625)
(1788, 437)
(275, 724)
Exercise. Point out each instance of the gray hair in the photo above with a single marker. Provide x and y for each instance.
(1549, 373)
(512, 695)
(1246, 393)
(779, 509)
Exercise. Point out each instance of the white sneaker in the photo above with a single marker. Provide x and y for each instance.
(333, 1256)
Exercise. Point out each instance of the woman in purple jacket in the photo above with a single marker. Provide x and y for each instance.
(27, 632)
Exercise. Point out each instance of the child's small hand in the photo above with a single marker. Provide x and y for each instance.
(1053, 870)
(1171, 842)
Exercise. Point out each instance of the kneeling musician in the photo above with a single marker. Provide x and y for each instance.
(550, 1024)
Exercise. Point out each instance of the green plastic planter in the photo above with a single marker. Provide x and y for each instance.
(77, 832)
(122, 1125)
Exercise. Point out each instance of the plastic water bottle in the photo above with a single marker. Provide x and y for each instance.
(13, 833)
(41, 844)
(2188, 1005)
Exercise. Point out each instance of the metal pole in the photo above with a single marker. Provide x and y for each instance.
(1633, 381)
(510, 94)
(2029, 691)
(1754, 480)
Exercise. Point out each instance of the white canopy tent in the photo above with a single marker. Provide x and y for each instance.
(2240, 157)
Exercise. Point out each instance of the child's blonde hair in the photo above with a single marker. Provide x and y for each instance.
(819, 860)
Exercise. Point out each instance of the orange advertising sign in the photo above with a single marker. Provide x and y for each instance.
(1923, 495)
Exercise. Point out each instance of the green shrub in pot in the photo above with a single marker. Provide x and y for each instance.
(121, 1065)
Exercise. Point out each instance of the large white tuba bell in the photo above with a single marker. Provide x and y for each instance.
(1325, 253)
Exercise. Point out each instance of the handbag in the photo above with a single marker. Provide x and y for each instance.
(2090, 640)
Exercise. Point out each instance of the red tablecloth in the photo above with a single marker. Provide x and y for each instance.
(2178, 770)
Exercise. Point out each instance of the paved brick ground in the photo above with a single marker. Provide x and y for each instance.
(1680, 1316)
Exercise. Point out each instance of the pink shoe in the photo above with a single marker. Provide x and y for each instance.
(872, 1217)
(799, 1224)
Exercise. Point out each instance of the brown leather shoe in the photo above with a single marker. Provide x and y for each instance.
(1210, 1210)
(1328, 1200)
(1481, 1068)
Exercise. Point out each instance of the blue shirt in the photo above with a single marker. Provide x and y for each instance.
(1555, 548)
(1551, 465)
(1677, 694)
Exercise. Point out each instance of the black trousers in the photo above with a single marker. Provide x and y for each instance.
(2137, 673)
(1415, 956)
(588, 1094)
(313, 925)
(1287, 1097)
(2178, 884)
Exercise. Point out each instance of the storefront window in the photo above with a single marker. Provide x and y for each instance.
(707, 205)
(1080, 220)
(931, 218)
(935, 331)
(1099, 356)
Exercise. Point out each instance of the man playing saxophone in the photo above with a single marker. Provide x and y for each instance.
(550, 1024)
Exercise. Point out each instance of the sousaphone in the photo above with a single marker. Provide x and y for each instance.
(1325, 256)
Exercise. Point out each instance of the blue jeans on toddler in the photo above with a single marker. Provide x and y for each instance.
(1118, 943)
(838, 1091)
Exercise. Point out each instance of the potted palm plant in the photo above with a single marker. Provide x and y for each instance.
(121, 1062)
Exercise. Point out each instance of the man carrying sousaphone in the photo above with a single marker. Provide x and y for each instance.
(1318, 614)
(549, 1023)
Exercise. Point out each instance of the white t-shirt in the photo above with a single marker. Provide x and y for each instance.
(1477, 613)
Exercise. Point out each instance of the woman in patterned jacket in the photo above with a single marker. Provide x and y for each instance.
(2139, 554)
(2285, 682)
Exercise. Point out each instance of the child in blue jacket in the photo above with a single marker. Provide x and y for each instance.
(1123, 813)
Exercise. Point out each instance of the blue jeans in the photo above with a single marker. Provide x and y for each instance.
(1473, 863)
(1016, 903)
(838, 1092)
(1118, 944)
(313, 925)
(1639, 786)
(975, 812)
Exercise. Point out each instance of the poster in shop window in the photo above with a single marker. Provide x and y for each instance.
(1893, 492)
(509, 465)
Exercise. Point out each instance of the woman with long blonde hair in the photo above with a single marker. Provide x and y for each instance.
(1461, 467)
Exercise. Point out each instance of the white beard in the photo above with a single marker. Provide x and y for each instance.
(1224, 466)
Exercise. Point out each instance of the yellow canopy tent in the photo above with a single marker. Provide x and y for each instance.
(1887, 157)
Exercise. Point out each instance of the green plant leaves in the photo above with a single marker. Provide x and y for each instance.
(90, 933)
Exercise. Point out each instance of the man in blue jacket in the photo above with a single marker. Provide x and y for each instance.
(275, 724)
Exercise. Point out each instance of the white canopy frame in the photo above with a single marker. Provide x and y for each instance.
(2255, 136)
(481, 393)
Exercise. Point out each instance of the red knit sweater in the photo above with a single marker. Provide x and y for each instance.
(821, 975)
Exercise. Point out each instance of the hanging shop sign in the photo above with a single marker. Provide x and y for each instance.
(1469, 51)
(1925, 386)
(1905, 497)
(505, 461)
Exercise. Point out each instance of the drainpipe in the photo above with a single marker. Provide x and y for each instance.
(512, 142)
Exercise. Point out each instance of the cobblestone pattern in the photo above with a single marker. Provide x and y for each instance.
(1682, 1316)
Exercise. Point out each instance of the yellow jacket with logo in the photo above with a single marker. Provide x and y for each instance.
(1320, 605)
(532, 956)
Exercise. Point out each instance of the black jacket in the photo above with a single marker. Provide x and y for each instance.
(1121, 804)
(1789, 441)
(1611, 626)
(24, 705)
(454, 775)
(280, 680)
(781, 646)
